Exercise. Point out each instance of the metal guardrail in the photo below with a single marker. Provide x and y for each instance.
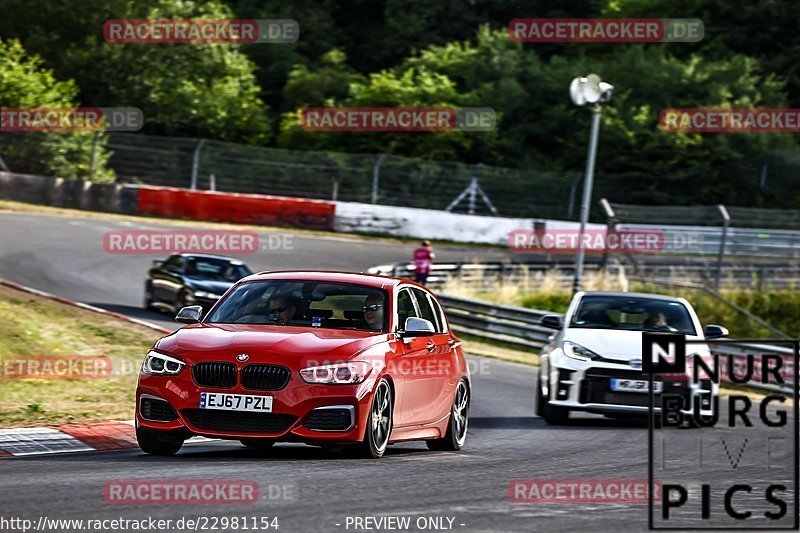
(520, 326)
(486, 274)
(529, 275)
(515, 325)
(741, 350)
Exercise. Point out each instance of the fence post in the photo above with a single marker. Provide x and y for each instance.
(726, 219)
(335, 192)
(611, 225)
(376, 173)
(196, 163)
(572, 190)
(3, 165)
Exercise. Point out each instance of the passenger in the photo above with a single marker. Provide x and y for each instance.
(373, 312)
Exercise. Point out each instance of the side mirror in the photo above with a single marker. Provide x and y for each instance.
(418, 327)
(713, 331)
(551, 321)
(157, 263)
(190, 314)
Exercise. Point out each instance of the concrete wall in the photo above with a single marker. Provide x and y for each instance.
(345, 217)
(433, 224)
(59, 192)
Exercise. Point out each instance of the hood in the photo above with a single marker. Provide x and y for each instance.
(208, 285)
(610, 343)
(265, 342)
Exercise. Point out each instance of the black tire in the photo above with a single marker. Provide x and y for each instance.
(456, 435)
(148, 296)
(553, 414)
(261, 444)
(158, 443)
(539, 398)
(380, 421)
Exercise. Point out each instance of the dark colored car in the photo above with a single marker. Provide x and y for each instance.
(191, 279)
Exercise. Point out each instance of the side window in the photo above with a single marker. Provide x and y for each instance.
(405, 307)
(425, 308)
(441, 321)
(174, 264)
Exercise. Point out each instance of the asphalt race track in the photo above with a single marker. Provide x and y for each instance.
(65, 256)
(506, 440)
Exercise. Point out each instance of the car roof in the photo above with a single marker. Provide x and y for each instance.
(647, 295)
(208, 256)
(371, 280)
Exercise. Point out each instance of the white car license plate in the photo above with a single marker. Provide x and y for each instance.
(634, 385)
(235, 402)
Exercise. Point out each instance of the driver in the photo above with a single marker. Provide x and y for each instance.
(373, 311)
(658, 321)
(281, 309)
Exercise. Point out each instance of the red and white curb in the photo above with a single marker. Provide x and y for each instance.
(72, 438)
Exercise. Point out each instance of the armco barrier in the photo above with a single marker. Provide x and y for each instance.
(515, 325)
(234, 207)
(519, 325)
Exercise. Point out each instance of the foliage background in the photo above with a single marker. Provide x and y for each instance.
(421, 53)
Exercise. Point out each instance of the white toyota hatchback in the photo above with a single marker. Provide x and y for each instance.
(594, 361)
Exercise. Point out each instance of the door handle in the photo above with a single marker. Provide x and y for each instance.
(430, 346)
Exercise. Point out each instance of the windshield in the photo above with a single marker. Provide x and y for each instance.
(635, 314)
(304, 303)
(203, 268)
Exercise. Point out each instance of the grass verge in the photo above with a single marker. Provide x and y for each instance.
(34, 326)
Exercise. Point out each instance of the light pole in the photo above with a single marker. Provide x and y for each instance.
(588, 90)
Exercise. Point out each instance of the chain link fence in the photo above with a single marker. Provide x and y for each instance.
(367, 178)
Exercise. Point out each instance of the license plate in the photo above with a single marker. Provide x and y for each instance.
(235, 402)
(634, 385)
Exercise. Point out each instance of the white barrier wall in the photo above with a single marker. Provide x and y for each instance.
(432, 224)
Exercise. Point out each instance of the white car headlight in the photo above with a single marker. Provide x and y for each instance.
(160, 364)
(348, 373)
(576, 351)
(206, 295)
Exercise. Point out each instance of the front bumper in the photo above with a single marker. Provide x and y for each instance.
(588, 388)
(302, 412)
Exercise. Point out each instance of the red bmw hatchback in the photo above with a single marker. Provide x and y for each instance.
(324, 358)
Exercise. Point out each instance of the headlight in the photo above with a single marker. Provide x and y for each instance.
(206, 295)
(160, 364)
(337, 374)
(576, 351)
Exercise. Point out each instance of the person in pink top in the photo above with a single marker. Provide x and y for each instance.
(423, 259)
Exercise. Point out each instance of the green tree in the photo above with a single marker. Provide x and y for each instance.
(25, 83)
(206, 90)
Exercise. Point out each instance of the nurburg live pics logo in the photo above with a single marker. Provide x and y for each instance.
(731, 469)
